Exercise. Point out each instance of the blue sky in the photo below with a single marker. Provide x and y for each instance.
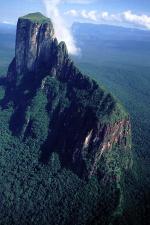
(129, 13)
(121, 12)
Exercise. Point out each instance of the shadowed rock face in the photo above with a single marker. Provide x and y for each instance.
(84, 120)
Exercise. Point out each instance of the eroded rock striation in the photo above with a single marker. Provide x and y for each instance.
(74, 115)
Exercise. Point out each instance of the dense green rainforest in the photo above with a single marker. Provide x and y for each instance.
(36, 193)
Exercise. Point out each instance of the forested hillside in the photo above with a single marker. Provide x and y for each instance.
(119, 58)
(65, 141)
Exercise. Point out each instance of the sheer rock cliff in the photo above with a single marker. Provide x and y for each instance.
(83, 120)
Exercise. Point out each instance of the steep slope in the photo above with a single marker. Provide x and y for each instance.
(65, 142)
(84, 120)
(119, 59)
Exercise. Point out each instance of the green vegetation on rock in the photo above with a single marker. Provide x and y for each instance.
(36, 18)
(64, 143)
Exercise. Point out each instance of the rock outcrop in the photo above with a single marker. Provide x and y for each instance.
(34, 42)
(84, 121)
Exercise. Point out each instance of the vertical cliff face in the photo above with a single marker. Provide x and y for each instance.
(34, 43)
(84, 121)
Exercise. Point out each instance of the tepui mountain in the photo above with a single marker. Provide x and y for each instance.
(65, 142)
(73, 115)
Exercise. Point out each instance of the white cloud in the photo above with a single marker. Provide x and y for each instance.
(141, 20)
(84, 14)
(8, 22)
(62, 32)
(72, 12)
(92, 15)
(126, 17)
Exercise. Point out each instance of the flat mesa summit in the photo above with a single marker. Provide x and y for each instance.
(57, 106)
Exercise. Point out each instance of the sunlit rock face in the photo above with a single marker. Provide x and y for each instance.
(83, 120)
(33, 44)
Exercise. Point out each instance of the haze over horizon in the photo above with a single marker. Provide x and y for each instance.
(64, 12)
(117, 12)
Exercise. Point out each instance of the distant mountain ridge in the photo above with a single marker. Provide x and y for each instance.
(107, 31)
(7, 28)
